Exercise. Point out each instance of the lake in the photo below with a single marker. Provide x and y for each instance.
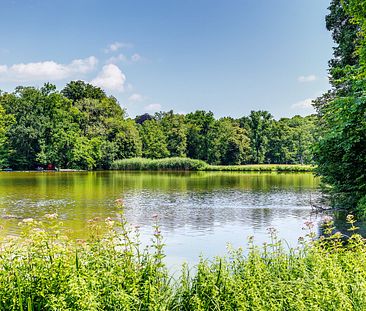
(199, 212)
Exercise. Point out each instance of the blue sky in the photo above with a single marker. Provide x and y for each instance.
(227, 56)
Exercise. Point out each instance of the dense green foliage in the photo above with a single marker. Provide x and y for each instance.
(5, 122)
(141, 164)
(45, 270)
(341, 152)
(82, 128)
(76, 132)
(258, 138)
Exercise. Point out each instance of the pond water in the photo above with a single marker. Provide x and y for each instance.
(199, 212)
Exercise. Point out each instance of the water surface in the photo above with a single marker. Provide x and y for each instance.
(199, 212)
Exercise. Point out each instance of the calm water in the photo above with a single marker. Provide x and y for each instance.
(199, 213)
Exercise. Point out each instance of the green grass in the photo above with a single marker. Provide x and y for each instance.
(142, 164)
(261, 168)
(45, 270)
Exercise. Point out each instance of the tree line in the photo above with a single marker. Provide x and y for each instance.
(81, 127)
(341, 151)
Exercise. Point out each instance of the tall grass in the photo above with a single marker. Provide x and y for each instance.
(142, 164)
(45, 270)
(261, 168)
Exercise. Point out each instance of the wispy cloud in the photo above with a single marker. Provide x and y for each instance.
(122, 58)
(110, 78)
(115, 46)
(136, 98)
(152, 107)
(136, 57)
(46, 70)
(304, 104)
(309, 78)
(117, 59)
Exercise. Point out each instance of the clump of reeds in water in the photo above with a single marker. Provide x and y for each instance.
(142, 164)
(43, 269)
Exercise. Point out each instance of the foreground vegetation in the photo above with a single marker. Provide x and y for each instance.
(43, 269)
(141, 164)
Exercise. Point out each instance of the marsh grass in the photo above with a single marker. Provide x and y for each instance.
(142, 164)
(43, 269)
(186, 164)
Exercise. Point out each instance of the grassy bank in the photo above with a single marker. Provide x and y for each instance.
(44, 270)
(142, 164)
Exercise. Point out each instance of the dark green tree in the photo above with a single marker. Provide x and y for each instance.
(260, 123)
(154, 141)
(5, 122)
(76, 90)
(175, 129)
(341, 151)
(199, 124)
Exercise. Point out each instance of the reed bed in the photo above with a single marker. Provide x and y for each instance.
(261, 168)
(43, 269)
(142, 164)
(186, 164)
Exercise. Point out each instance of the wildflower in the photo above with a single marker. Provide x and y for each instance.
(327, 219)
(155, 216)
(350, 218)
(38, 230)
(309, 224)
(109, 221)
(119, 201)
(51, 216)
(28, 220)
(80, 241)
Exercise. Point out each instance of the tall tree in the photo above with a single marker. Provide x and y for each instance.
(199, 124)
(260, 124)
(229, 143)
(154, 141)
(341, 152)
(5, 122)
(175, 129)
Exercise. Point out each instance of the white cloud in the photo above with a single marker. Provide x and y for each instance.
(47, 70)
(304, 104)
(115, 46)
(3, 68)
(136, 57)
(136, 98)
(117, 59)
(123, 58)
(152, 107)
(309, 78)
(110, 78)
